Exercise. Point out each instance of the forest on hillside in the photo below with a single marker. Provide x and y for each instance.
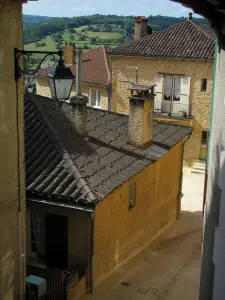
(37, 28)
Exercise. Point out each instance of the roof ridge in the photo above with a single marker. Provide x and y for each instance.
(127, 116)
(150, 35)
(201, 29)
(93, 49)
(77, 172)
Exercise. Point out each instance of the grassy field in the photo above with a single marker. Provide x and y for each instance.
(74, 38)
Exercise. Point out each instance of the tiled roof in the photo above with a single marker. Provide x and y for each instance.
(61, 166)
(186, 40)
(95, 67)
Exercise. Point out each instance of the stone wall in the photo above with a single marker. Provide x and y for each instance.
(44, 90)
(12, 194)
(147, 69)
(121, 233)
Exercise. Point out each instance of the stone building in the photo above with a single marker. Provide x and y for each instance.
(107, 193)
(179, 60)
(12, 176)
(95, 76)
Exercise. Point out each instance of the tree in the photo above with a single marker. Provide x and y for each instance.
(72, 30)
(108, 27)
(93, 40)
(58, 46)
(72, 37)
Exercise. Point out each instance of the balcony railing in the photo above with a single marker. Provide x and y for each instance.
(172, 109)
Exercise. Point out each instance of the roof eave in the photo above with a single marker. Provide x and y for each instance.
(60, 204)
(161, 57)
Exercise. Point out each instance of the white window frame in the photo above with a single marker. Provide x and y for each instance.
(98, 96)
(173, 86)
(29, 241)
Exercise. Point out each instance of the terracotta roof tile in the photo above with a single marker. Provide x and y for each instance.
(186, 40)
(95, 67)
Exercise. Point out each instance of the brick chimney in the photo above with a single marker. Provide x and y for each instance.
(141, 27)
(79, 101)
(140, 129)
(69, 54)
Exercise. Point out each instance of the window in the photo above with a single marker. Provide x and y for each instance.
(205, 135)
(94, 98)
(204, 85)
(132, 201)
(172, 88)
(37, 234)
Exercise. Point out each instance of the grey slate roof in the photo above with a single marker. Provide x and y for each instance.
(62, 166)
(186, 40)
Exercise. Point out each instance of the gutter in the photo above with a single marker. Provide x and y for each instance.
(109, 91)
(160, 57)
(59, 204)
(181, 176)
(210, 129)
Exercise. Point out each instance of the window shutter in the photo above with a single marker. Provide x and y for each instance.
(158, 87)
(185, 90)
(158, 92)
(56, 241)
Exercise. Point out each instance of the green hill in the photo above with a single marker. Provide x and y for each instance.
(29, 19)
(34, 31)
(50, 34)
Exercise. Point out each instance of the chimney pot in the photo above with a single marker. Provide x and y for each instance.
(69, 54)
(140, 127)
(141, 27)
(190, 16)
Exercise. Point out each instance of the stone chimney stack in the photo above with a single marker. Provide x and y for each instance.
(69, 54)
(79, 102)
(141, 27)
(140, 129)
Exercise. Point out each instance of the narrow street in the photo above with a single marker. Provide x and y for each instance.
(170, 268)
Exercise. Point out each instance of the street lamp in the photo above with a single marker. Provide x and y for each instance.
(60, 81)
(60, 78)
(30, 88)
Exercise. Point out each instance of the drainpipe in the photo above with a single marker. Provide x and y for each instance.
(92, 225)
(109, 91)
(181, 177)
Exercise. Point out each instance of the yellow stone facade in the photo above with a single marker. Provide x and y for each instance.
(12, 175)
(121, 233)
(42, 88)
(123, 71)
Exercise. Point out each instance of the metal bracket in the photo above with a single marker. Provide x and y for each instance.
(26, 54)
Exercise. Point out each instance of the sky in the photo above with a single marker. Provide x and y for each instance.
(71, 8)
